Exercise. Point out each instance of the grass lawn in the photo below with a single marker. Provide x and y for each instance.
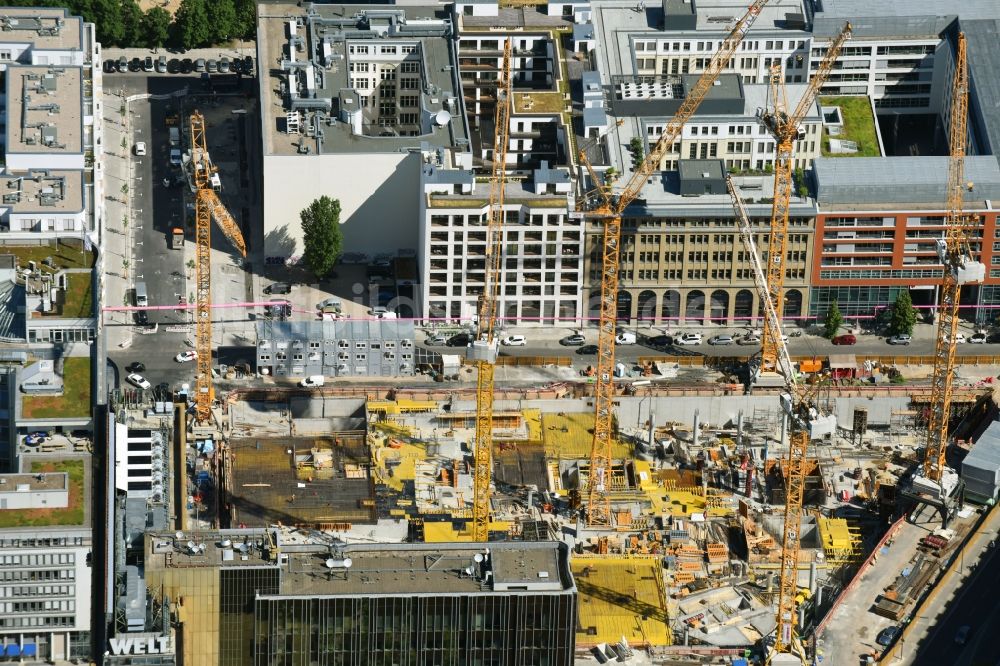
(71, 515)
(65, 254)
(79, 296)
(75, 400)
(539, 102)
(859, 126)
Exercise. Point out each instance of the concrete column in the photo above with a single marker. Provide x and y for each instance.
(812, 577)
(697, 426)
(739, 430)
(784, 428)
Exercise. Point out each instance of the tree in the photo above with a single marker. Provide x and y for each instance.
(222, 19)
(246, 19)
(156, 27)
(191, 24)
(904, 315)
(133, 33)
(107, 16)
(833, 321)
(321, 235)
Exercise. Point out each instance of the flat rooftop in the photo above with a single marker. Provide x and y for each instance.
(48, 29)
(430, 569)
(44, 109)
(42, 191)
(513, 17)
(316, 101)
(33, 482)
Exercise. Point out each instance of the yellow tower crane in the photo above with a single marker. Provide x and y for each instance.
(609, 210)
(805, 423)
(785, 129)
(200, 172)
(483, 349)
(959, 268)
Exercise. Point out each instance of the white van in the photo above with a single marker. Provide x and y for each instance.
(313, 381)
(625, 338)
(141, 297)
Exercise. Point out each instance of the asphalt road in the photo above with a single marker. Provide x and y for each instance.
(976, 606)
(157, 209)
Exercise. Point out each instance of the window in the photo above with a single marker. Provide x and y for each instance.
(409, 67)
(409, 84)
(407, 119)
(407, 100)
(387, 50)
(360, 50)
(407, 49)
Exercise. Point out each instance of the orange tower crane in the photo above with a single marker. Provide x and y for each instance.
(609, 210)
(785, 129)
(200, 172)
(483, 349)
(959, 268)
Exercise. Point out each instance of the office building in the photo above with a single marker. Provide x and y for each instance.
(261, 596)
(356, 95)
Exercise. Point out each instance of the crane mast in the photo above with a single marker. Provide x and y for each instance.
(785, 129)
(483, 350)
(959, 268)
(207, 207)
(806, 423)
(609, 211)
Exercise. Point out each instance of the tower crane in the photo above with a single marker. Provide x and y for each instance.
(806, 423)
(200, 173)
(785, 129)
(959, 268)
(483, 349)
(609, 210)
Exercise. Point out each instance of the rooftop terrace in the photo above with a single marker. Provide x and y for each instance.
(73, 475)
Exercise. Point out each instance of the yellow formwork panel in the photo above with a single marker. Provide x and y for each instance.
(644, 475)
(442, 532)
(569, 436)
(620, 596)
(408, 456)
(838, 539)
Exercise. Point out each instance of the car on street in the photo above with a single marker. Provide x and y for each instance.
(960, 338)
(574, 340)
(962, 636)
(748, 340)
(886, 637)
(141, 318)
(187, 66)
(846, 339)
(660, 341)
(459, 340)
(977, 339)
(312, 381)
(224, 66)
(110, 67)
(148, 64)
(514, 341)
(139, 148)
(135, 65)
(138, 380)
(688, 339)
(136, 366)
(175, 156)
(199, 65)
(587, 350)
(721, 340)
(625, 338)
(122, 64)
(161, 64)
(901, 339)
(185, 356)
(436, 341)
(248, 65)
(278, 288)
(213, 66)
(173, 66)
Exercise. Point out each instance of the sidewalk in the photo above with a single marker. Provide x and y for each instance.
(116, 245)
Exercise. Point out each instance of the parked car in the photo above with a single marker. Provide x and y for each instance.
(199, 65)
(224, 66)
(138, 380)
(187, 66)
(312, 381)
(122, 64)
(846, 339)
(334, 304)
(901, 339)
(514, 341)
(574, 340)
(248, 65)
(436, 341)
(136, 366)
(161, 64)
(688, 339)
(134, 65)
(110, 67)
(721, 340)
(278, 288)
(460, 340)
(660, 341)
(963, 634)
(147, 64)
(140, 148)
(960, 339)
(174, 66)
(213, 66)
(587, 350)
(978, 339)
(748, 340)
(886, 637)
(625, 338)
(186, 356)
